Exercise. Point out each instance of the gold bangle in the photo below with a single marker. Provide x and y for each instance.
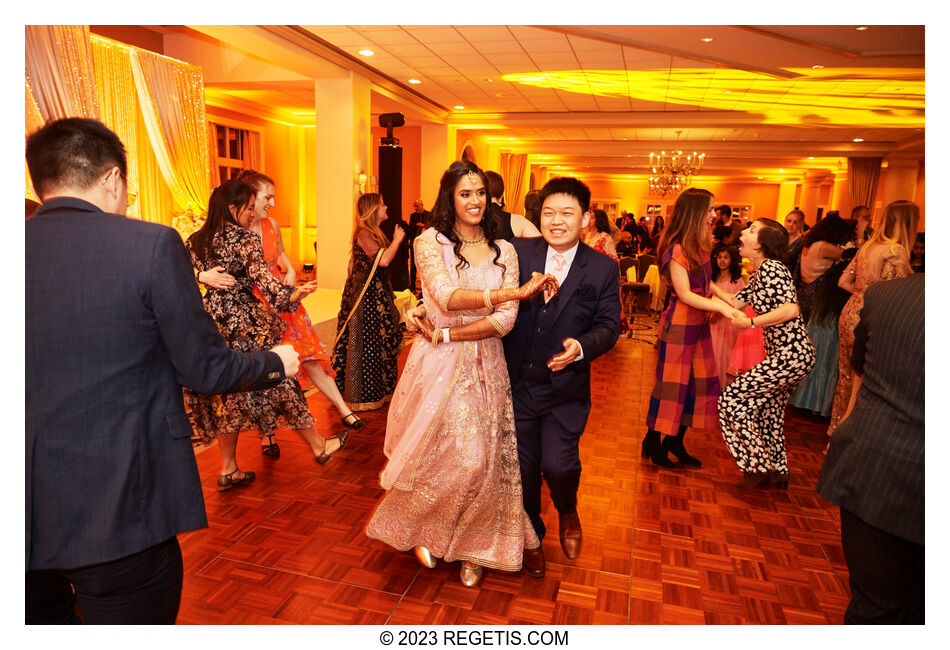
(498, 327)
(435, 337)
(488, 298)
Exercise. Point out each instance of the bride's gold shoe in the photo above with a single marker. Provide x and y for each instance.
(425, 557)
(470, 574)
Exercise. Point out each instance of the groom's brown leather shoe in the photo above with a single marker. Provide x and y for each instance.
(570, 531)
(533, 562)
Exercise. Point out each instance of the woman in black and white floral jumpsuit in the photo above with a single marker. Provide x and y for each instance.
(752, 408)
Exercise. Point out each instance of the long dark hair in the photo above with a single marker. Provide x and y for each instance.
(230, 193)
(735, 271)
(830, 298)
(832, 229)
(443, 212)
(688, 225)
(601, 223)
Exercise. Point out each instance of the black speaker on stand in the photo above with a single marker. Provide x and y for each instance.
(390, 188)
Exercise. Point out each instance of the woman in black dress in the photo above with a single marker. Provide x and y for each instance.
(752, 408)
(247, 324)
(368, 334)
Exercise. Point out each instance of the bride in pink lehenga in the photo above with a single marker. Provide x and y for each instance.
(453, 481)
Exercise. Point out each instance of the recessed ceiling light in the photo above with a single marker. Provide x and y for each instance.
(811, 157)
(781, 171)
(512, 138)
(367, 52)
(862, 28)
(459, 108)
(857, 140)
(708, 39)
(414, 81)
(817, 67)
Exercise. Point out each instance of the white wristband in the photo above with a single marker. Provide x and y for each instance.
(445, 334)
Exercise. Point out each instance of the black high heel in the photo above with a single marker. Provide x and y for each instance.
(358, 424)
(227, 481)
(324, 457)
(271, 449)
(674, 445)
(653, 450)
(751, 479)
(778, 479)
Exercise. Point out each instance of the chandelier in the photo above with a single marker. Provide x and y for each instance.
(672, 173)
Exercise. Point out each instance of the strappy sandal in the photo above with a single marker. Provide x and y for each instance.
(358, 424)
(226, 482)
(343, 436)
(271, 449)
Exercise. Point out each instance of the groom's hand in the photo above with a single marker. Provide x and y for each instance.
(561, 361)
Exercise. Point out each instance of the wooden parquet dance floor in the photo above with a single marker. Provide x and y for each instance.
(660, 546)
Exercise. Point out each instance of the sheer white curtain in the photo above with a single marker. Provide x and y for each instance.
(171, 97)
(59, 78)
(59, 70)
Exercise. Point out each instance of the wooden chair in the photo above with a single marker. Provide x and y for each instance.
(633, 290)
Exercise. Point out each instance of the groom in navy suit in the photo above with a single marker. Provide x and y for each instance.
(549, 352)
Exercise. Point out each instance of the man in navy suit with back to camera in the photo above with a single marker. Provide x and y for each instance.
(114, 328)
(549, 352)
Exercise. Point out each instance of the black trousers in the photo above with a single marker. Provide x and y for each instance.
(545, 448)
(139, 589)
(886, 575)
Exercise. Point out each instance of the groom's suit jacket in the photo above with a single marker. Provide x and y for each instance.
(587, 308)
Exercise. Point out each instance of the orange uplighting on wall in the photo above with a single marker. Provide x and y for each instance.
(868, 96)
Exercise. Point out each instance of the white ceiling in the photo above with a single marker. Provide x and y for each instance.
(599, 98)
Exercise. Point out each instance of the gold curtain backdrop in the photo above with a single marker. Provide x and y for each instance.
(154, 103)
(60, 69)
(171, 96)
(513, 168)
(59, 79)
(34, 120)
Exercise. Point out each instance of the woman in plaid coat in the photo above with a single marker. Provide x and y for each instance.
(687, 379)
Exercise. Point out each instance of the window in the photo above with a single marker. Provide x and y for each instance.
(232, 146)
(611, 207)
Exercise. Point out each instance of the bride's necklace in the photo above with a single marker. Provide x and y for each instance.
(471, 242)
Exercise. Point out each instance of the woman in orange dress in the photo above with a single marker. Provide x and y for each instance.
(299, 332)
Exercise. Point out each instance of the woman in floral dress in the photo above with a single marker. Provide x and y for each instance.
(247, 324)
(300, 333)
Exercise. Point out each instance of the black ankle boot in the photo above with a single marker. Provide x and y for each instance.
(653, 450)
(674, 445)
